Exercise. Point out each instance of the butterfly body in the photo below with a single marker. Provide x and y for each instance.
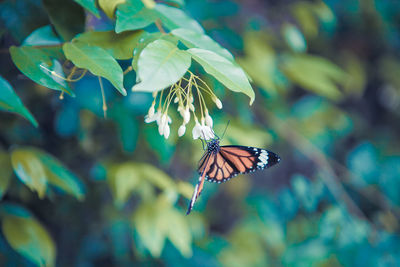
(221, 163)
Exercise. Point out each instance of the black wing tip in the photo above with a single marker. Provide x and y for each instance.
(273, 158)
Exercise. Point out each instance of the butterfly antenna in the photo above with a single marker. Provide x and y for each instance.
(226, 127)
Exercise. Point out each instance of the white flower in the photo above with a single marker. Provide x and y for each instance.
(218, 102)
(182, 130)
(186, 115)
(209, 121)
(202, 131)
(151, 111)
(163, 127)
(155, 117)
(166, 131)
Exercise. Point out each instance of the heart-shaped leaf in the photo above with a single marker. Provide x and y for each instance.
(161, 64)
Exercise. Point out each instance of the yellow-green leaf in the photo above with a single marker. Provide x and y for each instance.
(109, 6)
(316, 74)
(124, 179)
(149, 225)
(29, 238)
(120, 46)
(37, 169)
(30, 170)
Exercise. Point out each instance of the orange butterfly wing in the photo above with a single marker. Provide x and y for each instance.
(225, 162)
(234, 160)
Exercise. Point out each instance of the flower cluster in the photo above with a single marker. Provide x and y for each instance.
(184, 97)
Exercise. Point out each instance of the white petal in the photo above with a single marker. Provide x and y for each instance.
(181, 130)
(209, 121)
(186, 116)
(218, 103)
(166, 131)
(161, 130)
(196, 131)
(151, 111)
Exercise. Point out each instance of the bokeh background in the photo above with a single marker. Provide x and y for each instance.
(327, 83)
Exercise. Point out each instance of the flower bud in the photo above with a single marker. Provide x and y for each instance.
(209, 121)
(160, 129)
(163, 120)
(166, 131)
(191, 106)
(151, 111)
(186, 115)
(176, 99)
(182, 130)
(218, 103)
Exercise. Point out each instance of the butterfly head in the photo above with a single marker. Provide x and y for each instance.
(213, 145)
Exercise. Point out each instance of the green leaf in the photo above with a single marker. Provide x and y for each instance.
(143, 42)
(89, 5)
(29, 238)
(109, 6)
(97, 60)
(67, 17)
(315, 74)
(174, 18)
(157, 220)
(260, 61)
(30, 170)
(37, 169)
(59, 176)
(6, 172)
(161, 64)
(192, 39)
(133, 15)
(149, 225)
(10, 101)
(128, 177)
(38, 66)
(178, 232)
(120, 46)
(42, 36)
(123, 180)
(226, 72)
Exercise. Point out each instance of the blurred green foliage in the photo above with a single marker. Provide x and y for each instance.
(78, 189)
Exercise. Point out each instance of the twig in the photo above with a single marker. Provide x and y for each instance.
(160, 27)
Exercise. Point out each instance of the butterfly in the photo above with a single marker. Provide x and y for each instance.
(220, 163)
